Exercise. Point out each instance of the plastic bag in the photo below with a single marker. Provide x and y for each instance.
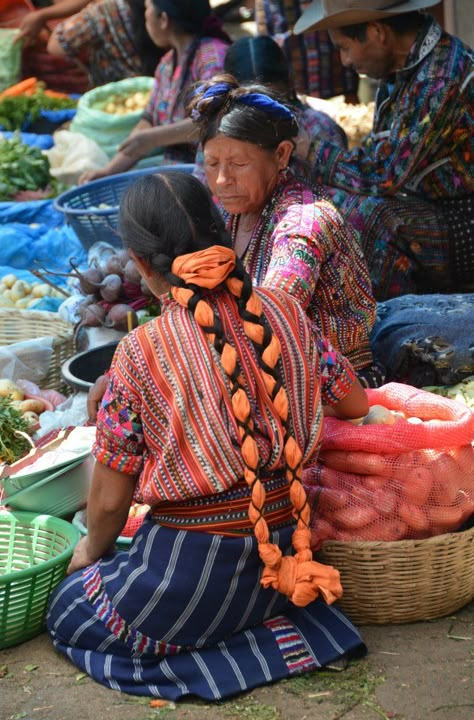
(108, 130)
(73, 154)
(412, 479)
(10, 58)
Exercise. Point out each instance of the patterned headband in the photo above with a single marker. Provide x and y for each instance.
(257, 100)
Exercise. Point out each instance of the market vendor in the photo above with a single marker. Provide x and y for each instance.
(107, 36)
(408, 188)
(198, 46)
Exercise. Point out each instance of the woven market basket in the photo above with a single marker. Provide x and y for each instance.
(19, 325)
(35, 551)
(403, 581)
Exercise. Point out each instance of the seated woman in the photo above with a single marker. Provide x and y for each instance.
(288, 236)
(198, 47)
(108, 37)
(210, 413)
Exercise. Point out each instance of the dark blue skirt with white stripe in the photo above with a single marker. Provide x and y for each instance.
(183, 613)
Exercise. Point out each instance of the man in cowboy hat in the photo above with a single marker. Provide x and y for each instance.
(409, 188)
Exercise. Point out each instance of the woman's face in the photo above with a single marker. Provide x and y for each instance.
(243, 175)
(156, 24)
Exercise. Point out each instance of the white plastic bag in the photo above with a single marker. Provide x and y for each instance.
(73, 154)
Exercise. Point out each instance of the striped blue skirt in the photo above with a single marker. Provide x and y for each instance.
(183, 613)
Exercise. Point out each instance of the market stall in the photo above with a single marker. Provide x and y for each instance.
(395, 490)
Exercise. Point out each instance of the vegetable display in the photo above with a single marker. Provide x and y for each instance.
(23, 103)
(113, 290)
(22, 167)
(13, 428)
(22, 294)
(406, 471)
(123, 104)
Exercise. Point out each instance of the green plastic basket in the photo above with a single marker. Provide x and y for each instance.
(35, 551)
(122, 542)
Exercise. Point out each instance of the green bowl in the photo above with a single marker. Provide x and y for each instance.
(60, 493)
(35, 551)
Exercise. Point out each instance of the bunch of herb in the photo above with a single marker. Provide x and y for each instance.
(17, 110)
(13, 444)
(22, 167)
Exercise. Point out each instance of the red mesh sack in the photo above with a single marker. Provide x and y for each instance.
(134, 520)
(393, 482)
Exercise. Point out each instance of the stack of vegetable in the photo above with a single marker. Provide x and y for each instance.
(21, 404)
(22, 294)
(22, 167)
(406, 471)
(123, 103)
(22, 103)
(113, 290)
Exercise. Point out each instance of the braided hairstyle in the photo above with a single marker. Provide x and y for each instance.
(224, 106)
(168, 219)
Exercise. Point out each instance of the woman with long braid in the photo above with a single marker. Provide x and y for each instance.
(211, 411)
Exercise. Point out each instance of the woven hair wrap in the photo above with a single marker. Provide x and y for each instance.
(298, 577)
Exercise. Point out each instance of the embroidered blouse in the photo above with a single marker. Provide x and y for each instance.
(302, 245)
(422, 140)
(167, 101)
(167, 412)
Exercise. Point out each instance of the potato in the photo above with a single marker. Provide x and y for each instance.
(18, 290)
(34, 405)
(9, 280)
(10, 389)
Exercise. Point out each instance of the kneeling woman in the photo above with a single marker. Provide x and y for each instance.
(210, 413)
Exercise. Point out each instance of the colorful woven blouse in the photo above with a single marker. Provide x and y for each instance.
(167, 412)
(422, 142)
(167, 101)
(301, 245)
(103, 32)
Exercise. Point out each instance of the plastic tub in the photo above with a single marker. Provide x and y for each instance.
(15, 483)
(82, 370)
(60, 494)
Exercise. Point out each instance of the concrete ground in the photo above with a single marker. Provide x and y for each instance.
(421, 671)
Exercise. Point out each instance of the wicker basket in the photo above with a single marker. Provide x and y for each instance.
(404, 581)
(19, 325)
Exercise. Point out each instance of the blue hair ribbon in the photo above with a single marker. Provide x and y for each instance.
(266, 104)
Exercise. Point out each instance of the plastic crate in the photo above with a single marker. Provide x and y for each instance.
(93, 223)
(35, 551)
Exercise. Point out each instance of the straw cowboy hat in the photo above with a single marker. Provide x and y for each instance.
(332, 14)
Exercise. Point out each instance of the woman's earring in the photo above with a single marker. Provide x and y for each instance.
(283, 173)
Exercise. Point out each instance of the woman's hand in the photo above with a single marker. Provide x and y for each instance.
(30, 27)
(90, 175)
(82, 556)
(140, 143)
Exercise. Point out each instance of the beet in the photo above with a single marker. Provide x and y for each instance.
(117, 317)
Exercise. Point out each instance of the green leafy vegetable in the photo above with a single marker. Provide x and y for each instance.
(15, 110)
(12, 445)
(22, 167)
